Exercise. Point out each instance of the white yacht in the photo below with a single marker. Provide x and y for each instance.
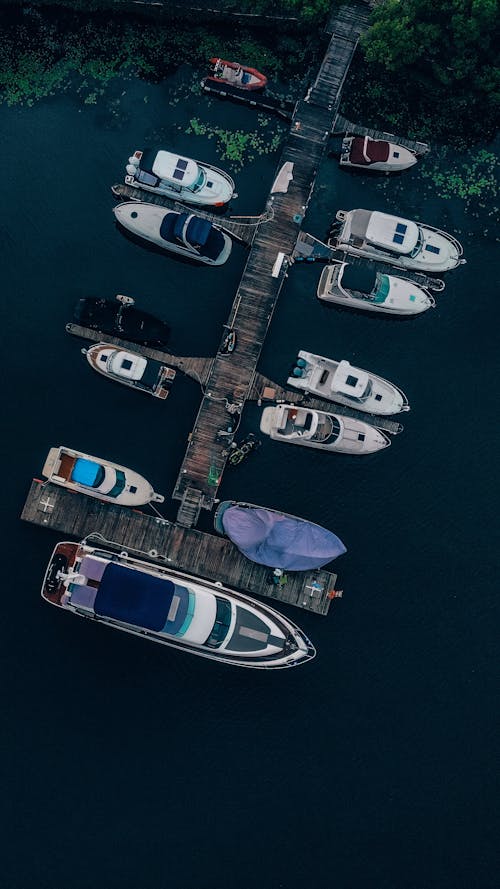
(182, 233)
(362, 287)
(375, 155)
(131, 369)
(174, 609)
(181, 178)
(395, 240)
(318, 429)
(340, 381)
(98, 478)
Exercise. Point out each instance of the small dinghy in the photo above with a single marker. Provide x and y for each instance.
(375, 155)
(340, 381)
(362, 287)
(119, 317)
(180, 178)
(241, 76)
(318, 429)
(131, 369)
(276, 539)
(182, 233)
(228, 343)
(98, 478)
(397, 241)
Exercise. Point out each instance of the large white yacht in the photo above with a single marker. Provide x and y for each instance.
(340, 381)
(395, 240)
(362, 287)
(318, 429)
(181, 178)
(178, 610)
(98, 478)
(182, 233)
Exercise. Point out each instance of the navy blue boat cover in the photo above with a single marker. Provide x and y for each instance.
(134, 597)
(280, 541)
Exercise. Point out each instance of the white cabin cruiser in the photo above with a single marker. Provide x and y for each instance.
(174, 609)
(340, 381)
(317, 429)
(395, 240)
(362, 287)
(182, 233)
(167, 173)
(375, 155)
(98, 478)
(131, 369)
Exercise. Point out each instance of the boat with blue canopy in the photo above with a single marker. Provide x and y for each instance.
(277, 539)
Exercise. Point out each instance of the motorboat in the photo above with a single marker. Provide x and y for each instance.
(182, 233)
(241, 76)
(276, 539)
(395, 240)
(318, 429)
(181, 178)
(374, 155)
(98, 478)
(362, 287)
(131, 369)
(179, 610)
(120, 318)
(340, 381)
(239, 452)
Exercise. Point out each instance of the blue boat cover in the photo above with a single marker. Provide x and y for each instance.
(85, 472)
(198, 231)
(280, 541)
(134, 597)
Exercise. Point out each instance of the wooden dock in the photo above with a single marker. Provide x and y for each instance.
(242, 228)
(343, 126)
(282, 107)
(185, 549)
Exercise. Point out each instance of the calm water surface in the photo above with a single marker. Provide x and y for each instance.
(126, 765)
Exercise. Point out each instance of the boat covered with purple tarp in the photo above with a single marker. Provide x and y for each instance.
(277, 539)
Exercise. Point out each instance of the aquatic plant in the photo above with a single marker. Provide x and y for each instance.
(237, 146)
(474, 177)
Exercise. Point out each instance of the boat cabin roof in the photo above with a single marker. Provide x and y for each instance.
(127, 365)
(349, 380)
(392, 232)
(174, 168)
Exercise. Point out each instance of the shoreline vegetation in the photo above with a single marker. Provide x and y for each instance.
(427, 72)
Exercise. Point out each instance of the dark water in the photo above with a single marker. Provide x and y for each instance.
(128, 766)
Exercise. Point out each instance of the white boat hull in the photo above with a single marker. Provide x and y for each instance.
(404, 298)
(286, 423)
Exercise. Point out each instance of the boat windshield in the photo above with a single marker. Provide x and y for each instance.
(418, 246)
(222, 623)
(200, 182)
(119, 485)
(364, 395)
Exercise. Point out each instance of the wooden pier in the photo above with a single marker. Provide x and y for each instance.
(184, 549)
(282, 107)
(242, 228)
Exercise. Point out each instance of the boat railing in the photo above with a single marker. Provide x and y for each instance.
(454, 241)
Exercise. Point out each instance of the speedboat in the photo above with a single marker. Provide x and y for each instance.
(120, 318)
(180, 178)
(178, 610)
(375, 155)
(131, 369)
(276, 539)
(98, 478)
(340, 381)
(395, 240)
(318, 429)
(362, 287)
(234, 74)
(182, 233)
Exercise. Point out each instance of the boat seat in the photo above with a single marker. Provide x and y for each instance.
(147, 178)
(92, 569)
(82, 596)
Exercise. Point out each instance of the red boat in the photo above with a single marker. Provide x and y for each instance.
(232, 73)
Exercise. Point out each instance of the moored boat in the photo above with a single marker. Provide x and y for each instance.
(182, 233)
(340, 381)
(180, 178)
(319, 429)
(121, 319)
(241, 76)
(98, 478)
(375, 155)
(174, 609)
(276, 539)
(395, 240)
(131, 369)
(362, 287)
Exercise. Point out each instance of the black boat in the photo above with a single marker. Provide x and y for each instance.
(119, 318)
(240, 452)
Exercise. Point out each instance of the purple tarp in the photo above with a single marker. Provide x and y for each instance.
(280, 541)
